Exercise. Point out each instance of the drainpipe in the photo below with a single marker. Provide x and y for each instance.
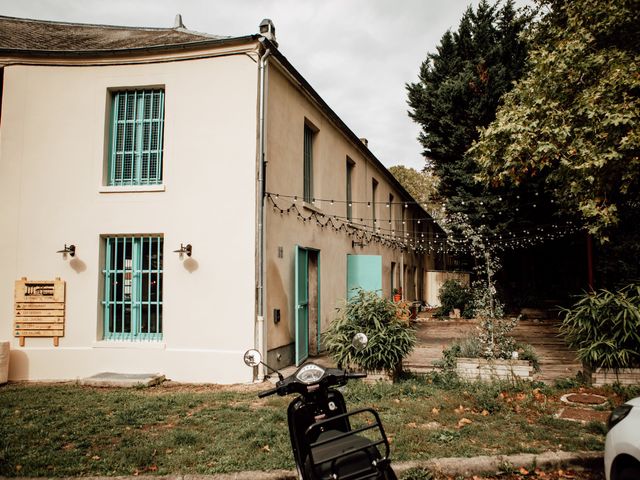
(402, 273)
(261, 343)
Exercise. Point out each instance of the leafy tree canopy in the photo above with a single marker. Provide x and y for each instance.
(422, 186)
(571, 123)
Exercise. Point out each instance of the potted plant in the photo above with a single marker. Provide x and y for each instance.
(397, 294)
(604, 328)
(386, 324)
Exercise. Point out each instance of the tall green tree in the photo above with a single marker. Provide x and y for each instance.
(459, 90)
(572, 122)
(423, 186)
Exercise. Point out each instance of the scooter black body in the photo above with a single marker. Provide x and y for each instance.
(324, 444)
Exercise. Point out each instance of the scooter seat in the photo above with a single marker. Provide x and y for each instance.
(360, 460)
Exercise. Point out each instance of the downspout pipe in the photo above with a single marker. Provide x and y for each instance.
(261, 343)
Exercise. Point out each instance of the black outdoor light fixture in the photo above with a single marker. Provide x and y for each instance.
(68, 249)
(184, 249)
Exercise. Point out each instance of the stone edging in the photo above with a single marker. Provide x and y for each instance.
(449, 466)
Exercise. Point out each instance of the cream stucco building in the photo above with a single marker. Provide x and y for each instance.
(131, 144)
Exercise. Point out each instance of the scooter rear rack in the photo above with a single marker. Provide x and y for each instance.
(362, 445)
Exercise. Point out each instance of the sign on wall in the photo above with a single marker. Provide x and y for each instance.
(39, 309)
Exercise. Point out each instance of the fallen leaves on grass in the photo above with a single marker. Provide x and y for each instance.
(464, 421)
(537, 474)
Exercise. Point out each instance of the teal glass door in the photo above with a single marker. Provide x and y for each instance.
(302, 304)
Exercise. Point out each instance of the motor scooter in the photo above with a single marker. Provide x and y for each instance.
(325, 444)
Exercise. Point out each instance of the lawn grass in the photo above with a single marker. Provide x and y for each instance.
(69, 430)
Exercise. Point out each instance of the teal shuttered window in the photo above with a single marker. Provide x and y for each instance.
(132, 304)
(137, 122)
(350, 166)
(308, 164)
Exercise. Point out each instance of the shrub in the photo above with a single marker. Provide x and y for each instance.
(391, 338)
(604, 328)
(454, 294)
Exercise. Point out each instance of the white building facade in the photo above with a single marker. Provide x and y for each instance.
(145, 155)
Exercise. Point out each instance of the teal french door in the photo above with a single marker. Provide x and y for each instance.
(302, 304)
(364, 271)
(307, 301)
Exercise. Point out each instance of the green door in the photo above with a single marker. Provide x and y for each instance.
(302, 304)
(364, 271)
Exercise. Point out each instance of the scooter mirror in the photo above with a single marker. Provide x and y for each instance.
(359, 341)
(252, 358)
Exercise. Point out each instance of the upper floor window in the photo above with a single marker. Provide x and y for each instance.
(374, 190)
(137, 123)
(350, 167)
(308, 163)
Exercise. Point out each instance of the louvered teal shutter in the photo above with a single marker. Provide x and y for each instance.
(308, 164)
(137, 127)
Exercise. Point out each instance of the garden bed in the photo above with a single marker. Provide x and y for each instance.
(609, 376)
(483, 369)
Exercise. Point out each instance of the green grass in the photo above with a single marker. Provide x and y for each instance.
(68, 430)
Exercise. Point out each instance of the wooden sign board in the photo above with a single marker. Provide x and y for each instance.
(39, 309)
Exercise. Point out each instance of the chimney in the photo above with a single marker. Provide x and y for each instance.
(178, 22)
(268, 30)
(365, 141)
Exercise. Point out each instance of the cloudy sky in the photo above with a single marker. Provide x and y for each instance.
(357, 54)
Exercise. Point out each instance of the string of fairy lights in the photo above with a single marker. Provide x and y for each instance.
(421, 234)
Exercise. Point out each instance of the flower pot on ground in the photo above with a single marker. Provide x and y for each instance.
(4, 362)
(604, 329)
(610, 376)
(397, 294)
(494, 369)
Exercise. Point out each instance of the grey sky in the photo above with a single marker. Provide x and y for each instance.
(357, 54)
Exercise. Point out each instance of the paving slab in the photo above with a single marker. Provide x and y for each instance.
(125, 380)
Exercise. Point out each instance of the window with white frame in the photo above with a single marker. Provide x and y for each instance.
(132, 299)
(136, 138)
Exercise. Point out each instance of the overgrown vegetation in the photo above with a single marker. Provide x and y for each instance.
(604, 328)
(68, 430)
(454, 295)
(391, 336)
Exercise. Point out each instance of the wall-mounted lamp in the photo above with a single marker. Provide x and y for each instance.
(68, 249)
(355, 244)
(184, 249)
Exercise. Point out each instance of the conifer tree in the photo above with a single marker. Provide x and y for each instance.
(459, 90)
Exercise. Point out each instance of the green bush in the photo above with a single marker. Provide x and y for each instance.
(391, 337)
(604, 328)
(454, 294)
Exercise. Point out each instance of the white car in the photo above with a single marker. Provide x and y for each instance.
(622, 447)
